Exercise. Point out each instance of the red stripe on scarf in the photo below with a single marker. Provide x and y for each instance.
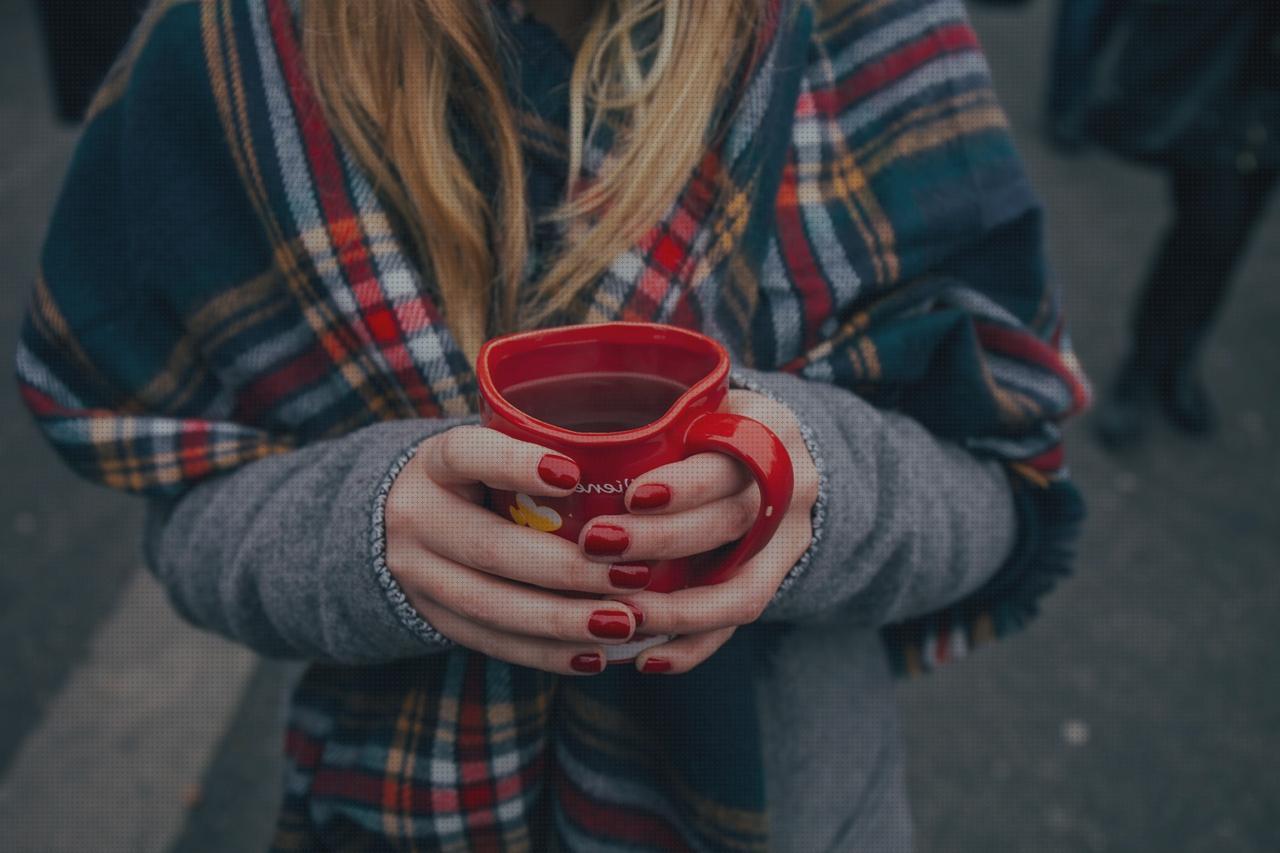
(304, 751)
(341, 217)
(311, 365)
(350, 785)
(952, 38)
(1028, 348)
(1050, 461)
(193, 449)
(44, 406)
(942, 644)
(606, 820)
(797, 255)
(667, 246)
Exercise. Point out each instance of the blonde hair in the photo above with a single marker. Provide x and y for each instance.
(391, 75)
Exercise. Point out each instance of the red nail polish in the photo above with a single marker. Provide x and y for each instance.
(587, 663)
(656, 665)
(559, 471)
(635, 611)
(650, 496)
(609, 625)
(606, 540)
(629, 576)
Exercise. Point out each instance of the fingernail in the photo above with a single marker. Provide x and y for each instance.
(559, 471)
(629, 576)
(656, 665)
(650, 496)
(609, 625)
(635, 611)
(587, 663)
(606, 540)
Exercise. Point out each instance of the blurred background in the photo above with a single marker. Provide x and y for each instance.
(1140, 712)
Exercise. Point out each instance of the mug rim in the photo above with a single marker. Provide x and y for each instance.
(584, 332)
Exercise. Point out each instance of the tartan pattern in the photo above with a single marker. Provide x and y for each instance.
(864, 221)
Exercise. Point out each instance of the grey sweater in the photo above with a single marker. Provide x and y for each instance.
(285, 556)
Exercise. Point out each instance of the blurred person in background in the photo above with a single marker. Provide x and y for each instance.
(1193, 89)
(81, 40)
(1078, 39)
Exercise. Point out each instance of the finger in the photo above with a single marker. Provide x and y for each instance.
(683, 485)
(532, 652)
(473, 536)
(431, 581)
(683, 653)
(738, 601)
(666, 537)
(470, 454)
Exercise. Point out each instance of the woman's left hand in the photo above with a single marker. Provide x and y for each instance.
(711, 500)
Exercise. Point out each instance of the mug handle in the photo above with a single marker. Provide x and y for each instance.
(754, 445)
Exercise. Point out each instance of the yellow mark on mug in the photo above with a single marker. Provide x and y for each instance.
(529, 514)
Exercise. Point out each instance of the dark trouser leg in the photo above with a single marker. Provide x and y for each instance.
(1215, 212)
(81, 41)
(1079, 35)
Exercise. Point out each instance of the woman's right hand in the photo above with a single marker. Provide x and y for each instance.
(487, 583)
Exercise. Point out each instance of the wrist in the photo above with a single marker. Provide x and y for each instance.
(395, 500)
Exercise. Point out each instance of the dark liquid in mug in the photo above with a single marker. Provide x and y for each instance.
(596, 402)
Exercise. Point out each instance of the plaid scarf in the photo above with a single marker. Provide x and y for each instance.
(221, 283)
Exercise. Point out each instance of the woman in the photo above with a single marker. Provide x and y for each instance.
(290, 226)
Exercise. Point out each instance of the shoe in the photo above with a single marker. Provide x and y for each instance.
(1122, 418)
(1186, 403)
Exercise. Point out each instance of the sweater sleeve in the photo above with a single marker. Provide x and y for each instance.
(287, 555)
(905, 523)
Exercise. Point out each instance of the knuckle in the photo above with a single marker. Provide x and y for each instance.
(553, 657)
(452, 448)
(683, 622)
(543, 568)
(680, 664)
(473, 609)
(484, 552)
(565, 624)
(398, 515)
(549, 660)
(661, 541)
(402, 511)
(745, 509)
(748, 610)
(398, 557)
(511, 458)
(585, 577)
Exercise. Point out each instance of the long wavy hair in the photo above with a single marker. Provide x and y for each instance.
(394, 74)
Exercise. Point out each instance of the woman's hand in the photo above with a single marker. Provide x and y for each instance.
(710, 500)
(486, 583)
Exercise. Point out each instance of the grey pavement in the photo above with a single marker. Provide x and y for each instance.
(1141, 712)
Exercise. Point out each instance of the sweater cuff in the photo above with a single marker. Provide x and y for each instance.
(408, 615)
(398, 601)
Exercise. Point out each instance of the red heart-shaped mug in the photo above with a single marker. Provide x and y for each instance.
(621, 399)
